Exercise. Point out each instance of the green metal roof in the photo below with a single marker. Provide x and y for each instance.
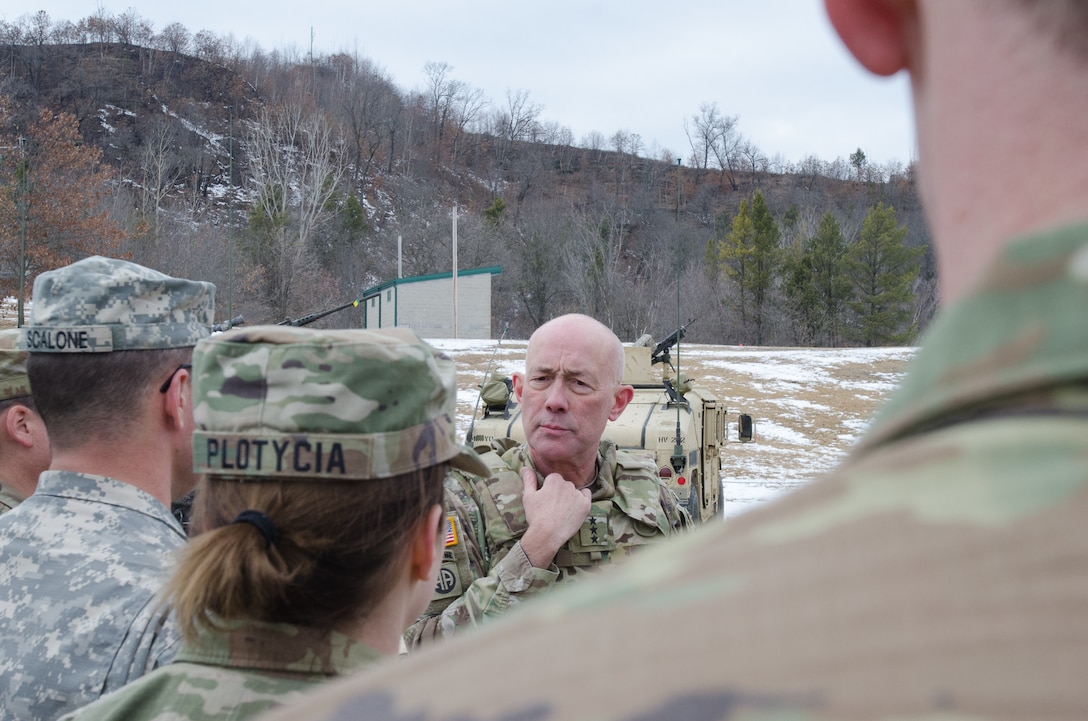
(369, 292)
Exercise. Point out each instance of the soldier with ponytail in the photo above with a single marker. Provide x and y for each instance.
(318, 523)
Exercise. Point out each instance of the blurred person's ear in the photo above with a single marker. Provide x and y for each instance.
(424, 548)
(876, 32)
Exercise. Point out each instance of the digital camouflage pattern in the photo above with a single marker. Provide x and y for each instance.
(98, 305)
(484, 572)
(83, 558)
(299, 402)
(941, 572)
(13, 379)
(234, 673)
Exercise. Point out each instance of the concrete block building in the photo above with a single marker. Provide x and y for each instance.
(425, 303)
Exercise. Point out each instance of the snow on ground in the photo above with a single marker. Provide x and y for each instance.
(809, 405)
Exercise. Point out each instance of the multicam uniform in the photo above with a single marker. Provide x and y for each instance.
(8, 499)
(485, 571)
(83, 559)
(940, 572)
(234, 673)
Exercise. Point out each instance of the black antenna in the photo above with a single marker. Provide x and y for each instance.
(678, 460)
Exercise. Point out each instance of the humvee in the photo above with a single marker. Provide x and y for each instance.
(672, 421)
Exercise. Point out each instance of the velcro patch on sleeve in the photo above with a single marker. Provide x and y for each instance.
(451, 531)
(448, 584)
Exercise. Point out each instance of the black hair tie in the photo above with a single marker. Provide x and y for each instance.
(262, 523)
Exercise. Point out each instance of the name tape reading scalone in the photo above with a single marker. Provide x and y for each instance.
(80, 339)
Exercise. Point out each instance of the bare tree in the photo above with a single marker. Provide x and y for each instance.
(520, 119)
(439, 96)
(38, 28)
(451, 105)
(131, 29)
(297, 166)
(174, 38)
(99, 26)
(160, 167)
(714, 136)
(65, 31)
(594, 261)
(370, 109)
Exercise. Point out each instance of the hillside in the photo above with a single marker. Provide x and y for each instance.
(194, 190)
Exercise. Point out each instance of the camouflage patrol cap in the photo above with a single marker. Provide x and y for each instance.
(13, 380)
(98, 305)
(291, 402)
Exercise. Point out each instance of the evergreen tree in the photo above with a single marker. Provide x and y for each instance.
(713, 260)
(859, 161)
(882, 269)
(802, 300)
(751, 258)
(766, 259)
(816, 285)
(827, 250)
(736, 250)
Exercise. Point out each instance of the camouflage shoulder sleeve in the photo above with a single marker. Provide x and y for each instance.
(638, 483)
(677, 516)
(480, 578)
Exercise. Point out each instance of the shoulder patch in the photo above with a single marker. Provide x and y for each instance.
(451, 530)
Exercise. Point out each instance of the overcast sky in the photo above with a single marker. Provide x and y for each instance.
(593, 65)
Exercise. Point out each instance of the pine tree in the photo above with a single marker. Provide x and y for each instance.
(751, 258)
(816, 285)
(827, 250)
(766, 260)
(882, 269)
(735, 258)
(802, 300)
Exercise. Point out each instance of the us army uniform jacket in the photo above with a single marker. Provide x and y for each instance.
(83, 559)
(485, 571)
(234, 673)
(941, 571)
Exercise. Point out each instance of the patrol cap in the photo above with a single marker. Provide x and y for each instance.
(98, 305)
(13, 380)
(296, 402)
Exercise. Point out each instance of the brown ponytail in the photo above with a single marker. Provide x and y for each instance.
(334, 557)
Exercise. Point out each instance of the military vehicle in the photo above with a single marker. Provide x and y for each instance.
(670, 420)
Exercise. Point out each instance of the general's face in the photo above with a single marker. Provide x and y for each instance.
(569, 391)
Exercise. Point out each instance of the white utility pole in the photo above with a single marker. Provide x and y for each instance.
(455, 270)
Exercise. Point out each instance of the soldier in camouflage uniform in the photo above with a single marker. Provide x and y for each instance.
(110, 344)
(565, 502)
(24, 444)
(324, 453)
(941, 572)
